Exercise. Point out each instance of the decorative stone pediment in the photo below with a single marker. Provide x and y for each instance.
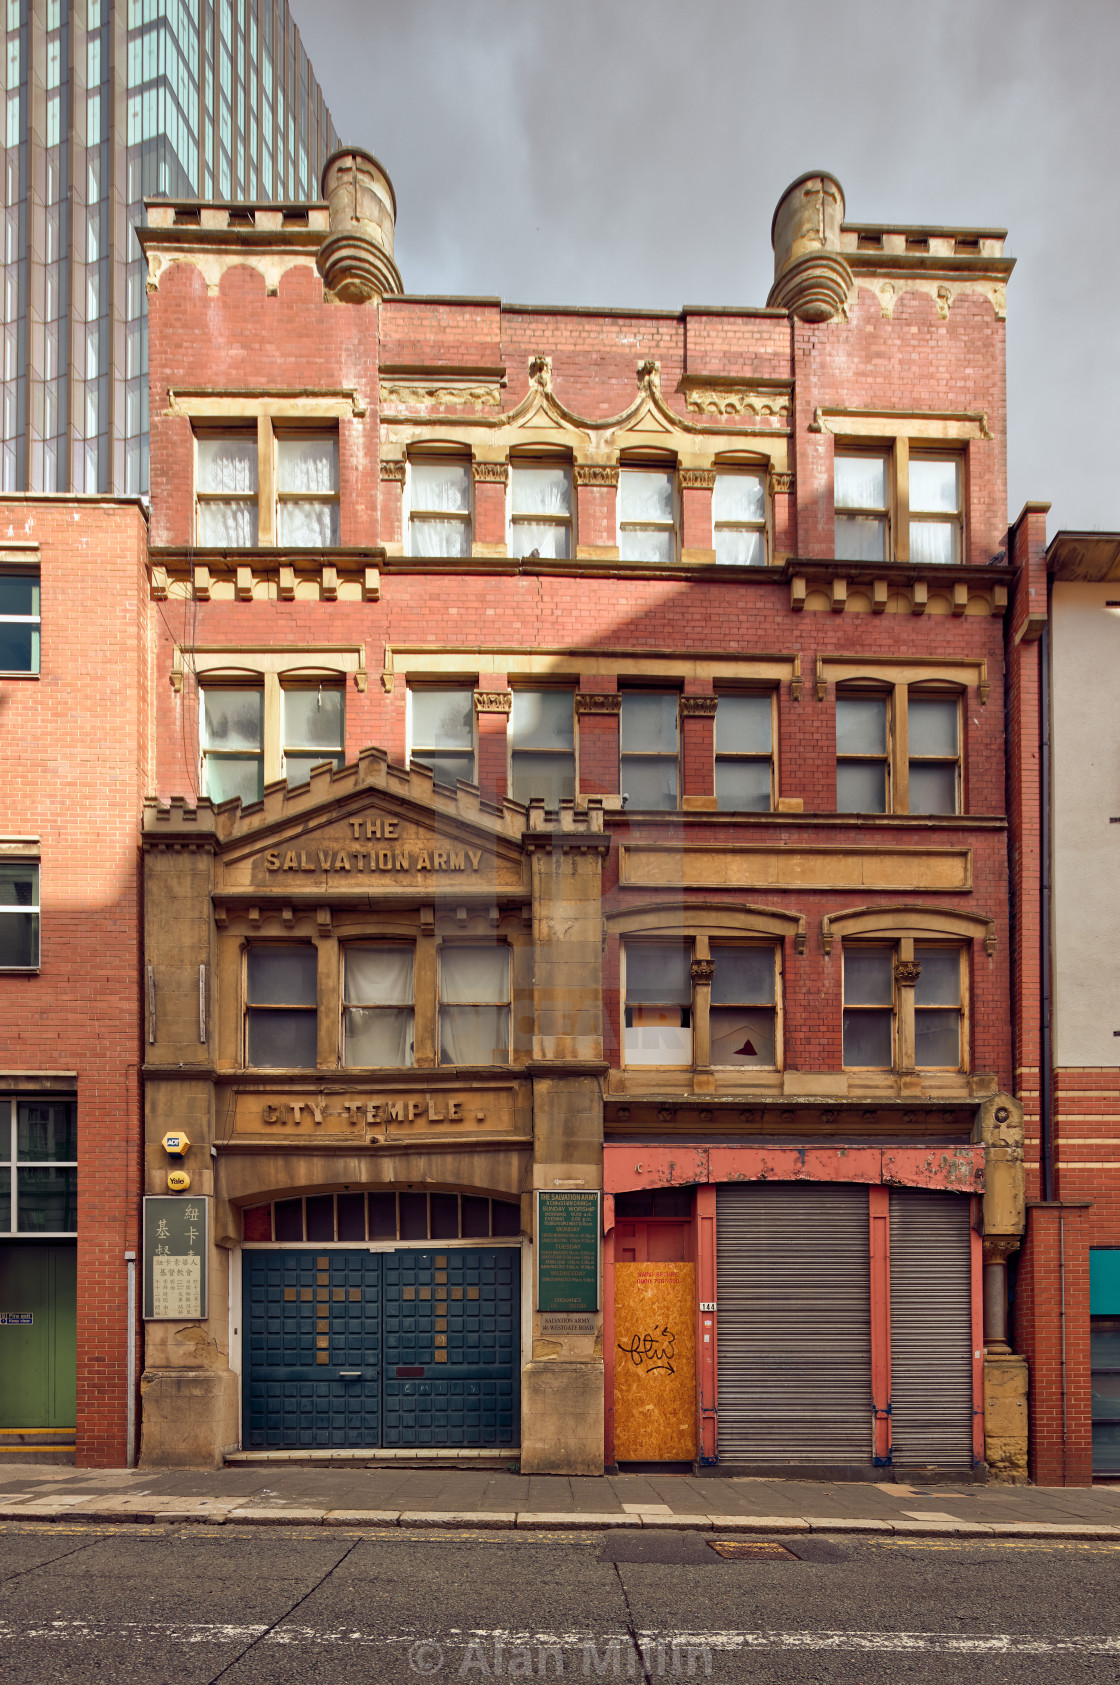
(370, 828)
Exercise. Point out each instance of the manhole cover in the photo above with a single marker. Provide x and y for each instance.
(736, 1549)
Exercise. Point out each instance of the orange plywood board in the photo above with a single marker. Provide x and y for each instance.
(655, 1362)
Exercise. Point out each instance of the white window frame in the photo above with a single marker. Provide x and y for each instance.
(34, 621)
(730, 470)
(513, 520)
(23, 853)
(418, 754)
(10, 1161)
(672, 525)
(461, 459)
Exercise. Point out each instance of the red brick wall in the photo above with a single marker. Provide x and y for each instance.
(1051, 1325)
(74, 768)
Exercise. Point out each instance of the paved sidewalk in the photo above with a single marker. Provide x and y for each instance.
(433, 1497)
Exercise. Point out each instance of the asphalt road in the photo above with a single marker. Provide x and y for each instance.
(306, 1606)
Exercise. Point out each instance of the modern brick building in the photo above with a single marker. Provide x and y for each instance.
(581, 773)
(75, 738)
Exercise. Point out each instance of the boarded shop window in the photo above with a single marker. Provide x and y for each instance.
(473, 1005)
(744, 753)
(441, 733)
(658, 1010)
(649, 740)
(542, 746)
(377, 1012)
(281, 1016)
(540, 509)
(38, 1166)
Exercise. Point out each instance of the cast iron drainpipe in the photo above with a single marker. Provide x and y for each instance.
(1046, 1142)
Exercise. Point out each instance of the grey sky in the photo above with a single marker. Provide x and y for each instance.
(632, 152)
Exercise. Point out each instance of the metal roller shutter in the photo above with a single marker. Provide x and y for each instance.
(931, 1328)
(794, 1326)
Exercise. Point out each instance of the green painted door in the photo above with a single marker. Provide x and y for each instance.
(38, 1357)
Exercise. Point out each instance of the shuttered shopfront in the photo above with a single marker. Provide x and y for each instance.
(931, 1328)
(794, 1332)
(794, 1324)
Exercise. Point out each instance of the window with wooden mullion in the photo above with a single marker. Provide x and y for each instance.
(281, 1006)
(863, 782)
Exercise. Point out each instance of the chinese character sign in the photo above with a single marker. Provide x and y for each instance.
(175, 1241)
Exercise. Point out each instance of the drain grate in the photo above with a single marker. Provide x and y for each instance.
(738, 1549)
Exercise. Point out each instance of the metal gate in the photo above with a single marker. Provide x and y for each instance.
(931, 1328)
(347, 1348)
(794, 1324)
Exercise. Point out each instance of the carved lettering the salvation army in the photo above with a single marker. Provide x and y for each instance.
(348, 855)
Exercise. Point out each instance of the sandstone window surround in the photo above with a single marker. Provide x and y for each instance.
(919, 1013)
(441, 731)
(701, 989)
(900, 483)
(266, 466)
(900, 732)
(266, 713)
(392, 997)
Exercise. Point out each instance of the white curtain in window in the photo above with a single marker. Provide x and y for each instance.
(380, 1030)
(738, 497)
(307, 526)
(442, 487)
(439, 538)
(379, 976)
(542, 491)
(646, 494)
(474, 1014)
(227, 525)
(227, 465)
(306, 465)
(473, 975)
(933, 543)
(859, 482)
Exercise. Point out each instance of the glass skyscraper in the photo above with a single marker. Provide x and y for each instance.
(109, 102)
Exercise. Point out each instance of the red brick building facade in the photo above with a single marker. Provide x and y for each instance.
(708, 625)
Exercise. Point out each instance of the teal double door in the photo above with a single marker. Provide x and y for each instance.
(38, 1334)
(344, 1348)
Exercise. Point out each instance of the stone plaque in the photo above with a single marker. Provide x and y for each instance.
(568, 1251)
(560, 1324)
(176, 1231)
(377, 1113)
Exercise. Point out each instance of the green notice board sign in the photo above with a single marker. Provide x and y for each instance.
(176, 1233)
(568, 1251)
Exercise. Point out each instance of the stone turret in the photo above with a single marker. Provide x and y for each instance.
(811, 278)
(356, 258)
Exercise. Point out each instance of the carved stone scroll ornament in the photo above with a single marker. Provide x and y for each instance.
(540, 371)
(491, 473)
(594, 474)
(702, 706)
(781, 480)
(697, 479)
(649, 376)
(418, 395)
(392, 471)
(907, 972)
(493, 701)
(702, 971)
